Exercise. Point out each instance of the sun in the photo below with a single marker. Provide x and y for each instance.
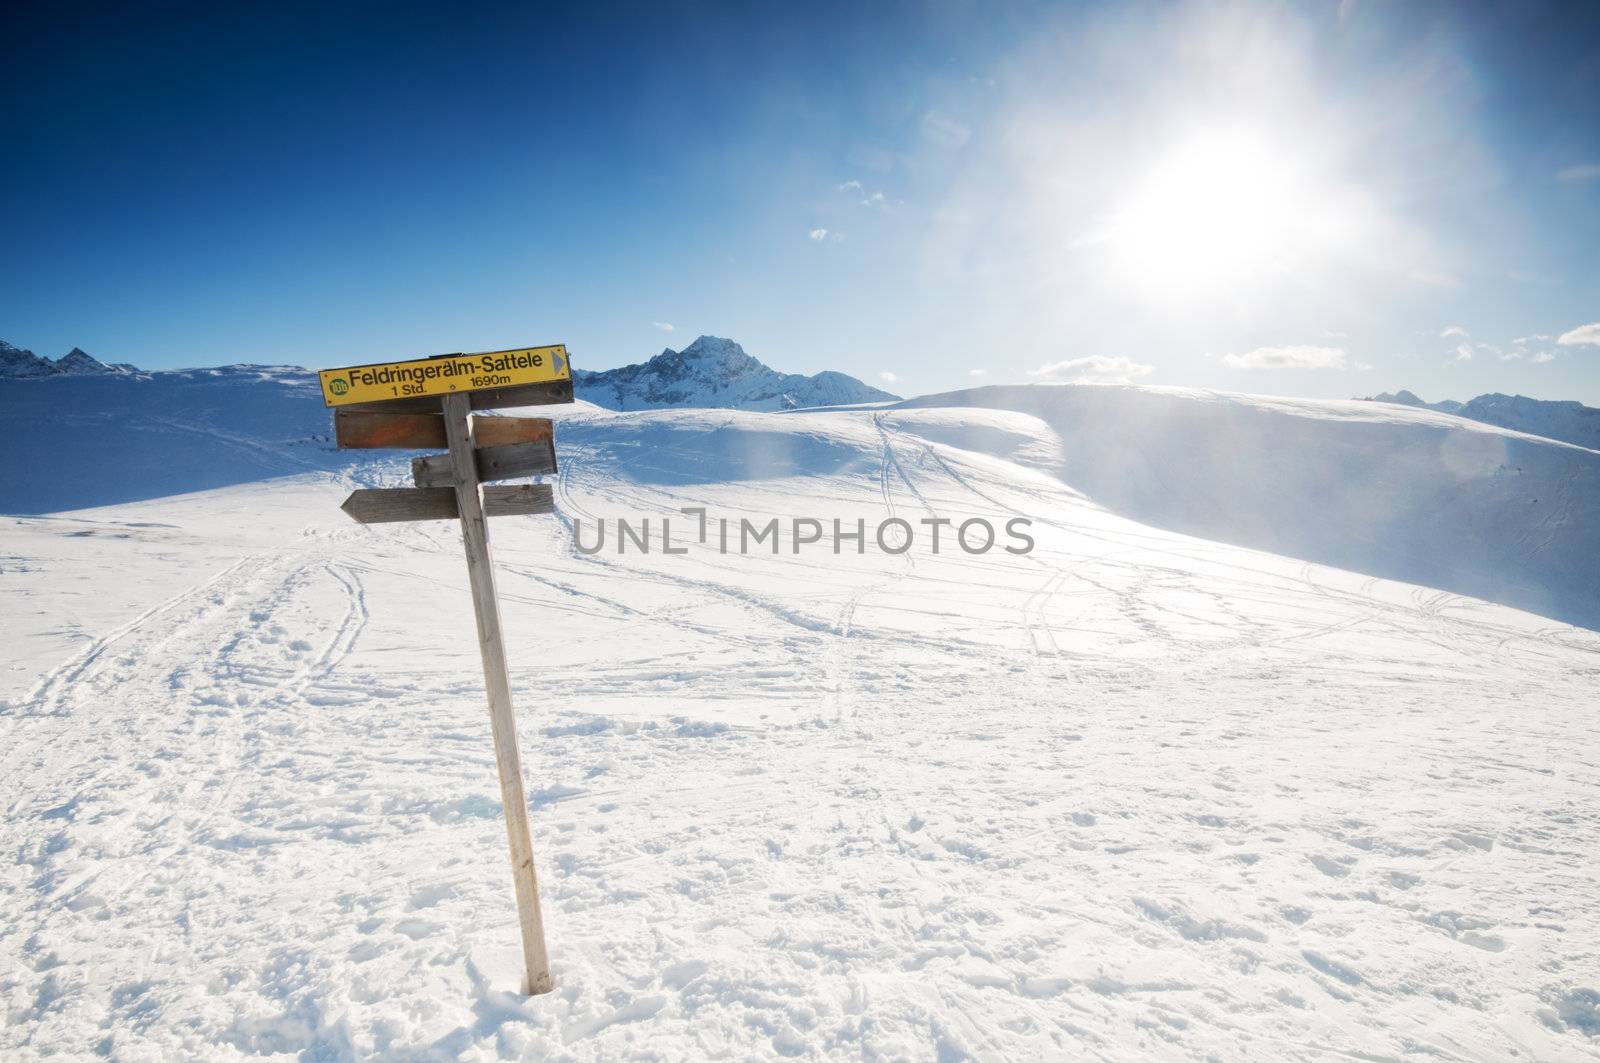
(1221, 208)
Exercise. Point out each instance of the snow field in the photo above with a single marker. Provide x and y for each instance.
(1133, 795)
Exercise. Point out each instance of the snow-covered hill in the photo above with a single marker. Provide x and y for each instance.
(1141, 792)
(1570, 422)
(713, 372)
(1405, 494)
(100, 439)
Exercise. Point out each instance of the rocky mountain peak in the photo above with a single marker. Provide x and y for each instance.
(79, 361)
(717, 372)
(17, 363)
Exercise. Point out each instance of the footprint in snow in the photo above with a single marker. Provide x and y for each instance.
(428, 896)
(1331, 967)
(1463, 841)
(1577, 1010)
(1331, 868)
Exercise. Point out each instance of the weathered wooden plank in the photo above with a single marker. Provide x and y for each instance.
(492, 432)
(497, 681)
(519, 459)
(551, 393)
(369, 430)
(494, 463)
(360, 430)
(433, 470)
(516, 500)
(389, 505)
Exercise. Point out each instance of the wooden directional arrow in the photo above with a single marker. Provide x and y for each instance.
(387, 505)
(494, 463)
(371, 430)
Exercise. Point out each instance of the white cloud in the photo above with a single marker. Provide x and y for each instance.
(665, 326)
(876, 199)
(819, 235)
(1588, 171)
(1463, 353)
(1294, 356)
(887, 377)
(977, 372)
(1588, 334)
(1511, 356)
(1454, 332)
(1542, 357)
(1094, 368)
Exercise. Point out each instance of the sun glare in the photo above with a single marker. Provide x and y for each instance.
(1219, 209)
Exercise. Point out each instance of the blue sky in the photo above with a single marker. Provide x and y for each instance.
(1322, 199)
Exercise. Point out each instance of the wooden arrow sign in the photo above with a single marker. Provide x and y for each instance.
(388, 505)
(367, 430)
(494, 463)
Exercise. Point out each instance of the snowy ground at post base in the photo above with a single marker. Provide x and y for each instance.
(1135, 795)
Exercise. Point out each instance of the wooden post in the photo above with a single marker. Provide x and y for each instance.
(486, 606)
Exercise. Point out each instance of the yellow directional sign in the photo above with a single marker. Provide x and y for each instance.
(444, 375)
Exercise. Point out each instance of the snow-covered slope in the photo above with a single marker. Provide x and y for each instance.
(1570, 422)
(713, 372)
(1135, 794)
(101, 439)
(1400, 493)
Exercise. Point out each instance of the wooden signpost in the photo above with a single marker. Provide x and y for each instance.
(426, 404)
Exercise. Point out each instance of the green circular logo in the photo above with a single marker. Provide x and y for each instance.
(338, 385)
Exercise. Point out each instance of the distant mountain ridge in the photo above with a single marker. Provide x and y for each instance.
(710, 372)
(1569, 422)
(716, 372)
(17, 363)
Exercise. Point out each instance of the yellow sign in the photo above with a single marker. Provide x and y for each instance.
(443, 375)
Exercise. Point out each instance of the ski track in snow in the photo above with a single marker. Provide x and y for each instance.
(1134, 795)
